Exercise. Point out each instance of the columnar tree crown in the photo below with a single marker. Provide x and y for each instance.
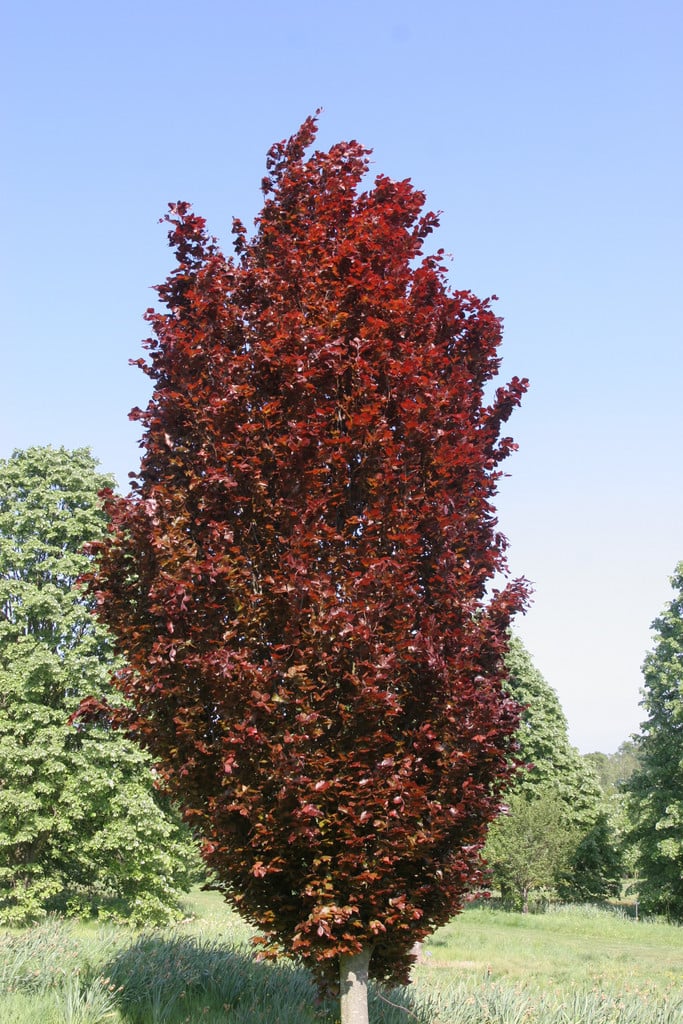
(300, 580)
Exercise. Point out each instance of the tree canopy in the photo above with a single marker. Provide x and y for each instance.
(577, 855)
(299, 580)
(615, 770)
(656, 787)
(80, 827)
(544, 745)
(531, 846)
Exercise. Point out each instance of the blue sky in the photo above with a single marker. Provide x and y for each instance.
(551, 137)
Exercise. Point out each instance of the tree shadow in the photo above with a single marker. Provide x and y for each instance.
(179, 979)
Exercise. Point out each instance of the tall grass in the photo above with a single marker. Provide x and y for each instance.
(486, 967)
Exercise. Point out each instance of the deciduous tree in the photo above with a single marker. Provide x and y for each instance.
(531, 845)
(582, 840)
(544, 746)
(596, 865)
(615, 770)
(80, 827)
(300, 579)
(656, 787)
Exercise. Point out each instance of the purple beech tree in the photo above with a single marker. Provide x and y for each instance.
(300, 578)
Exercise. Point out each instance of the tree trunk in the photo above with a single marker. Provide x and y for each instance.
(353, 982)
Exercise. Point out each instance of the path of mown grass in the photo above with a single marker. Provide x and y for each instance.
(573, 966)
(569, 945)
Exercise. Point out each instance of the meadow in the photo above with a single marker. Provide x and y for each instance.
(572, 965)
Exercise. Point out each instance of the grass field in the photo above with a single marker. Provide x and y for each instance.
(568, 966)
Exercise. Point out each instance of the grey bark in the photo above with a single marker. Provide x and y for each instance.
(353, 980)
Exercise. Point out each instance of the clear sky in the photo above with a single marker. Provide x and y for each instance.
(550, 135)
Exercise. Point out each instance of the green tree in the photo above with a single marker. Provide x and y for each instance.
(530, 846)
(80, 824)
(552, 762)
(656, 788)
(615, 770)
(582, 841)
(596, 866)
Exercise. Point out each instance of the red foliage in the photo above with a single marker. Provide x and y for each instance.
(298, 580)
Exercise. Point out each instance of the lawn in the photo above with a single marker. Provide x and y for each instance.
(567, 946)
(568, 966)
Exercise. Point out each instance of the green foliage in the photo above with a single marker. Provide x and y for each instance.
(557, 833)
(596, 865)
(656, 788)
(80, 826)
(531, 845)
(544, 743)
(614, 770)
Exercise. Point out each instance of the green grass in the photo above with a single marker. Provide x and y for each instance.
(570, 966)
(568, 946)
